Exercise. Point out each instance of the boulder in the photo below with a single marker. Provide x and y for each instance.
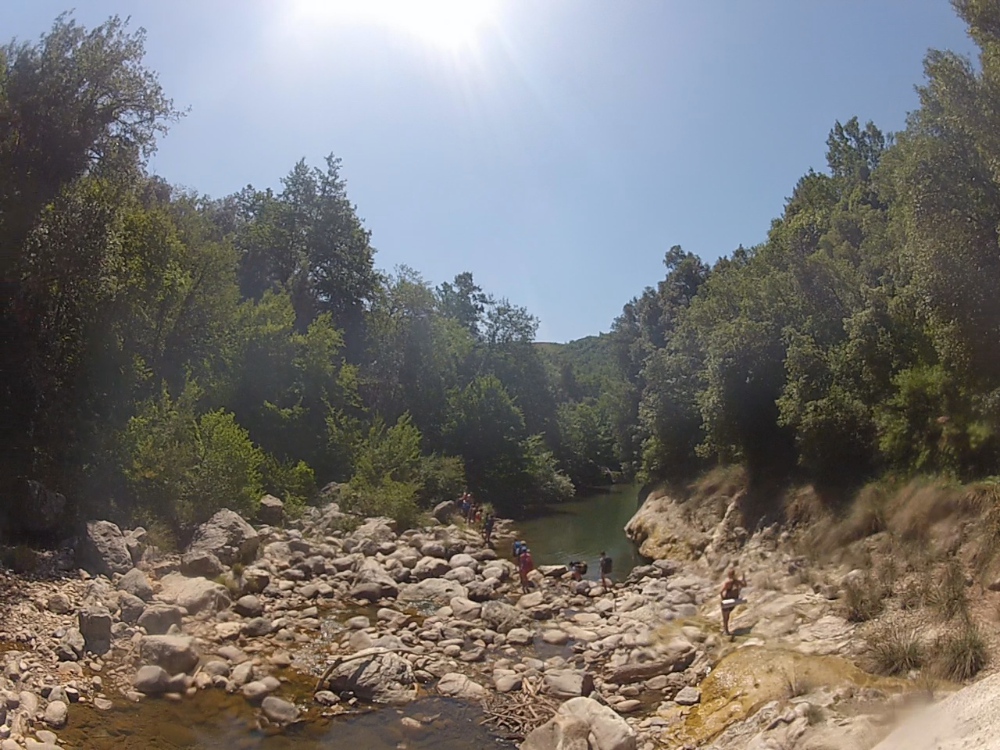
(676, 656)
(228, 537)
(95, 626)
(38, 510)
(376, 677)
(135, 583)
(687, 696)
(151, 680)
(253, 580)
(457, 685)
(582, 724)
(59, 604)
(199, 563)
(465, 609)
(249, 606)
(55, 714)
(157, 619)
(432, 589)
(279, 711)
(175, 653)
(568, 683)
(371, 572)
(257, 627)
(102, 549)
(480, 591)
(256, 690)
(194, 594)
(71, 646)
(553, 571)
(430, 567)
(131, 607)
(135, 543)
(444, 512)
(271, 511)
(502, 617)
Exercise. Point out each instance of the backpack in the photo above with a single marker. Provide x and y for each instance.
(607, 564)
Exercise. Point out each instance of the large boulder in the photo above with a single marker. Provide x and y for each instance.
(377, 677)
(371, 572)
(502, 617)
(95, 625)
(194, 594)
(157, 619)
(227, 536)
(271, 511)
(436, 590)
(200, 563)
(444, 512)
(135, 583)
(582, 724)
(430, 567)
(568, 683)
(175, 653)
(151, 680)
(457, 685)
(676, 656)
(102, 549)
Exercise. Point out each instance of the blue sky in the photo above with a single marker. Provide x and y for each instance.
(555, 148)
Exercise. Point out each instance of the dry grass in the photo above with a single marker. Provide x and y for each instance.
(864, 599)
(722, 480)
(922, 503)
(948, 597)
(961, 655)
(894, 650)
(983, 500)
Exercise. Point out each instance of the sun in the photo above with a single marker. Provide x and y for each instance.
(448, 24)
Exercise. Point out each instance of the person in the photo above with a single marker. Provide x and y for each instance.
(606, 567)
(730, 596)
(463, 504)
(488, 527)
(524, 566)
(516, 549)
(577, 570)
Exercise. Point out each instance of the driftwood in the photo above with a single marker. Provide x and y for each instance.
(516, 714)
(363, 654)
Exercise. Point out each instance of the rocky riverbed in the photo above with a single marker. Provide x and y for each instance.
(311, 619)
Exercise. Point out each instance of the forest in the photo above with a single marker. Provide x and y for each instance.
(168, 353)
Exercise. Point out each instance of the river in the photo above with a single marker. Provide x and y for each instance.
(582, 529)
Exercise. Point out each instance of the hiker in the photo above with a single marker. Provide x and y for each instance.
(730, 596)
(577, 570)
(488, 527)
(607, 564)
(524, 566)
(463, 504)
(516, 548)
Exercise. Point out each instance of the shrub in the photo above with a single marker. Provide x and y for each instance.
(295, 483)
(395, 500)
(948, 597)
(962, 654)
(894, 650)
(864, 599)
(441, 478)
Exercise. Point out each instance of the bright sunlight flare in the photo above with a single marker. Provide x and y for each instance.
(450, 24)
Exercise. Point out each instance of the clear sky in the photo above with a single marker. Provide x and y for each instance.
(555, 148)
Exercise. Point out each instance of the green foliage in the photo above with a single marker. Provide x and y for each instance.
(441, 478)
(893, 650)
(294, 483)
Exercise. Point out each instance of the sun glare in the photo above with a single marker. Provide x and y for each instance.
(450, 24)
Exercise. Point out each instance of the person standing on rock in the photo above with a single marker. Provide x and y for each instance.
(524, 566)
(606, 566)
(730, 596)
(488, 527)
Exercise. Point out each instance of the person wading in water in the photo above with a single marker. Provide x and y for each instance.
(730, 596)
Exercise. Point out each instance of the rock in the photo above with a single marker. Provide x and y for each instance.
(369, 592)
(95, 626)
(135, 583)
(502, 617)
(257, 690)
(249, 606)
(200, 563)
(195, 594)
(444, 512)
(135, 543)
(582, 724)
(464, 609)
(279, 711)
(271, 511)
(520, 637)
(151, 680)
(568, 683)
(131, 607)
(506, 683)
(102, 550)
(458, 685)
(553, 571)
(175, 653)
(555, 637)
(676, 657)
(59, 604)
(157, 619)
(71, 646)
(432, 589)
(529, 601)
(38, 510)
(228, 537)
(257, 627)
(688, 696)
(376, 677)
(430, 567)
(56, 714)
(253, 580)
(326, 698)
(480, 591)
(370, 572)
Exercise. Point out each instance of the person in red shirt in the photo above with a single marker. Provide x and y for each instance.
(524, 566)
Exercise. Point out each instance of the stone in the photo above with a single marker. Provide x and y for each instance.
(568, 683)
(430, 567)
(194, 594)
(368, 592)
(555, 637)
(56, 714)
(279, 711)
(131, 607)
(59, 604)
(582, 724)
(71, 646)
(553, 571)
(462, 560)
(520, 637)
(457, 685)
(529, 601)
(256, 690)
(688, 696)
(676, 656)
(443, 512)
(249, 606)
(501, 617)
(376, 677)
(464, 609)
(157, 619)
(228, 537)
(135, 543)
(102, 549)
(175, 653)
(432, 589)
(480, 591)
(203, 564)
(257, 627)
(95, 626)
(135, 583)
(151, 680)
(506, 683)
(271, 511)
(326, 698)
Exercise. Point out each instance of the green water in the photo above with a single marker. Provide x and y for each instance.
(581, 529)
